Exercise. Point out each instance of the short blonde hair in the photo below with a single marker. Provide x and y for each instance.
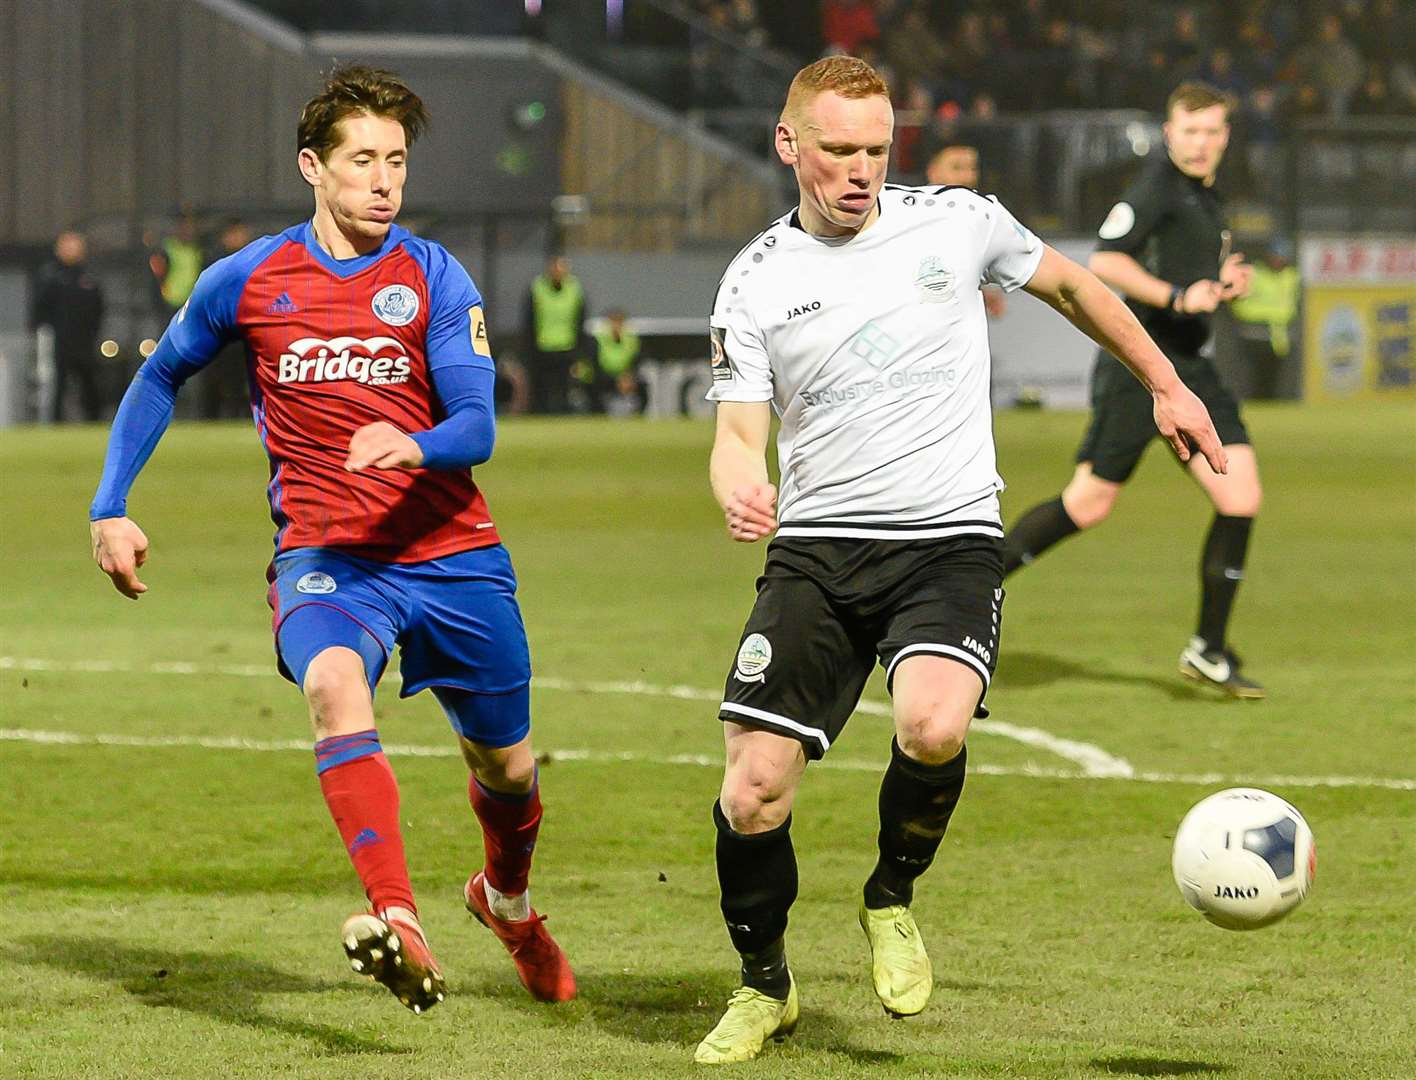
(849, 76)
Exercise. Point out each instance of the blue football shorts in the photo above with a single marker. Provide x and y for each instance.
(455, 621)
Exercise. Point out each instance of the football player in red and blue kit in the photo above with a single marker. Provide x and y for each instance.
(371, 388)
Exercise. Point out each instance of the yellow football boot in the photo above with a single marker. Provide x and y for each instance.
(900, 967)
(752, 1018)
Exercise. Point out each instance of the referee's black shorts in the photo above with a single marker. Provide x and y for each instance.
(827, 609)
(1123, 421)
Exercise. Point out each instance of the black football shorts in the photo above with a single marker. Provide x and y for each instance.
(829, 609)
(1123, 420)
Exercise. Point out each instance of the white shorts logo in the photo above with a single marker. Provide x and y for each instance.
(753, 658)
(1118, 223)
(315, 583)
(396, 305)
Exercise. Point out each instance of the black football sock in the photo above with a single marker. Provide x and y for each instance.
(916, 802)
(1035, 532)
(1221, 571)
(757, 874)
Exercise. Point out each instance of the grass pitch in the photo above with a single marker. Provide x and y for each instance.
(172, 885)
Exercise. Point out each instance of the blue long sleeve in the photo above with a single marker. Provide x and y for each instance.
(142, 418)
(465, 438)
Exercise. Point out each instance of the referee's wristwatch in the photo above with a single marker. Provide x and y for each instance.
(1177, 299)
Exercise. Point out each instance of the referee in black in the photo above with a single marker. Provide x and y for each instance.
(1165, 247)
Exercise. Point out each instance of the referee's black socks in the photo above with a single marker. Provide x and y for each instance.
(1221, 571)
(916, 802)
(757, 874)
(1035, 532)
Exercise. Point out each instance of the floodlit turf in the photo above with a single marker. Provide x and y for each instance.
(171, 911)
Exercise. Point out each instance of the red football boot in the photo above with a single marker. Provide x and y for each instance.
(390, 948)
(540, 962)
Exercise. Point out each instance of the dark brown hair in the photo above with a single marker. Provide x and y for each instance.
(352, 90)
(1194, 96)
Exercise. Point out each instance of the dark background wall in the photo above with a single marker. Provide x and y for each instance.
(107, 116)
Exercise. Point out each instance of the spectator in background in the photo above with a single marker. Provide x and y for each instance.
(1334, 63)
(1153, 81)
(177, 262)
(914, 52)
(1403, 85)
(554, 318)
(1306, 103)
(1184, 50)
(847, 24)
(1264, 144)
(225, 391)
(617, 388)
(68, 301)
(1219, 71)
(1265, 317)
(1374, 98)
(1258, 47)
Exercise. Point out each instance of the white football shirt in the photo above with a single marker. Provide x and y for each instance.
(874, 353)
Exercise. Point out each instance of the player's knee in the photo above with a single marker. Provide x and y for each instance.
(932, 736)
(509, 769)
(1090, 505)
(1244, 502)
(337, 692)
(755, 797)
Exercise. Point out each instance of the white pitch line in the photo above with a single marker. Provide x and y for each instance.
(75, 738)
(1094, 761)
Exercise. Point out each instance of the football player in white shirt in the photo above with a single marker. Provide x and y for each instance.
(859, 319)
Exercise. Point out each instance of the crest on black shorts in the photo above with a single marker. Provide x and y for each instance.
(753, 656)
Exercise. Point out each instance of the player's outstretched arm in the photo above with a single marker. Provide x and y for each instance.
(738, 469)
(1083, 300)
(1131, 279)
(120, 548)
(192, 340)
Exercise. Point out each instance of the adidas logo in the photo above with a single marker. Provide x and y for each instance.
(364, 839)
(282, 305)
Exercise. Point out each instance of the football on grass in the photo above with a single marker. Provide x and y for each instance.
(1244, 858)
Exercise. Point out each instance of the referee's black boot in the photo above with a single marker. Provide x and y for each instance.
(1218, 668)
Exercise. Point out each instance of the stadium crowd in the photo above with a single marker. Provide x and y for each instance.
(1283, 60)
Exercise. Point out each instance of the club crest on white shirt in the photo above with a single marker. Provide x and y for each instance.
(396, 305)
(934, 280)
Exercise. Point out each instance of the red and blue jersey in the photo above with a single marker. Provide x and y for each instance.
(333, 345)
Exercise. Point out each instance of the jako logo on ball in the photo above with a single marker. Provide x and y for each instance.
(311, 360)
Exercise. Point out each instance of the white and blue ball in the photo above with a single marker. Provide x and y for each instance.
(1244, 858)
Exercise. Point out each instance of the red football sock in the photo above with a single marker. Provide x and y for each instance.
(362, 795)
(509, 827)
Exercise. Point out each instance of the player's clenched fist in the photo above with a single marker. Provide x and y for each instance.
(119, 548)
(751, 512)
(382, 446)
